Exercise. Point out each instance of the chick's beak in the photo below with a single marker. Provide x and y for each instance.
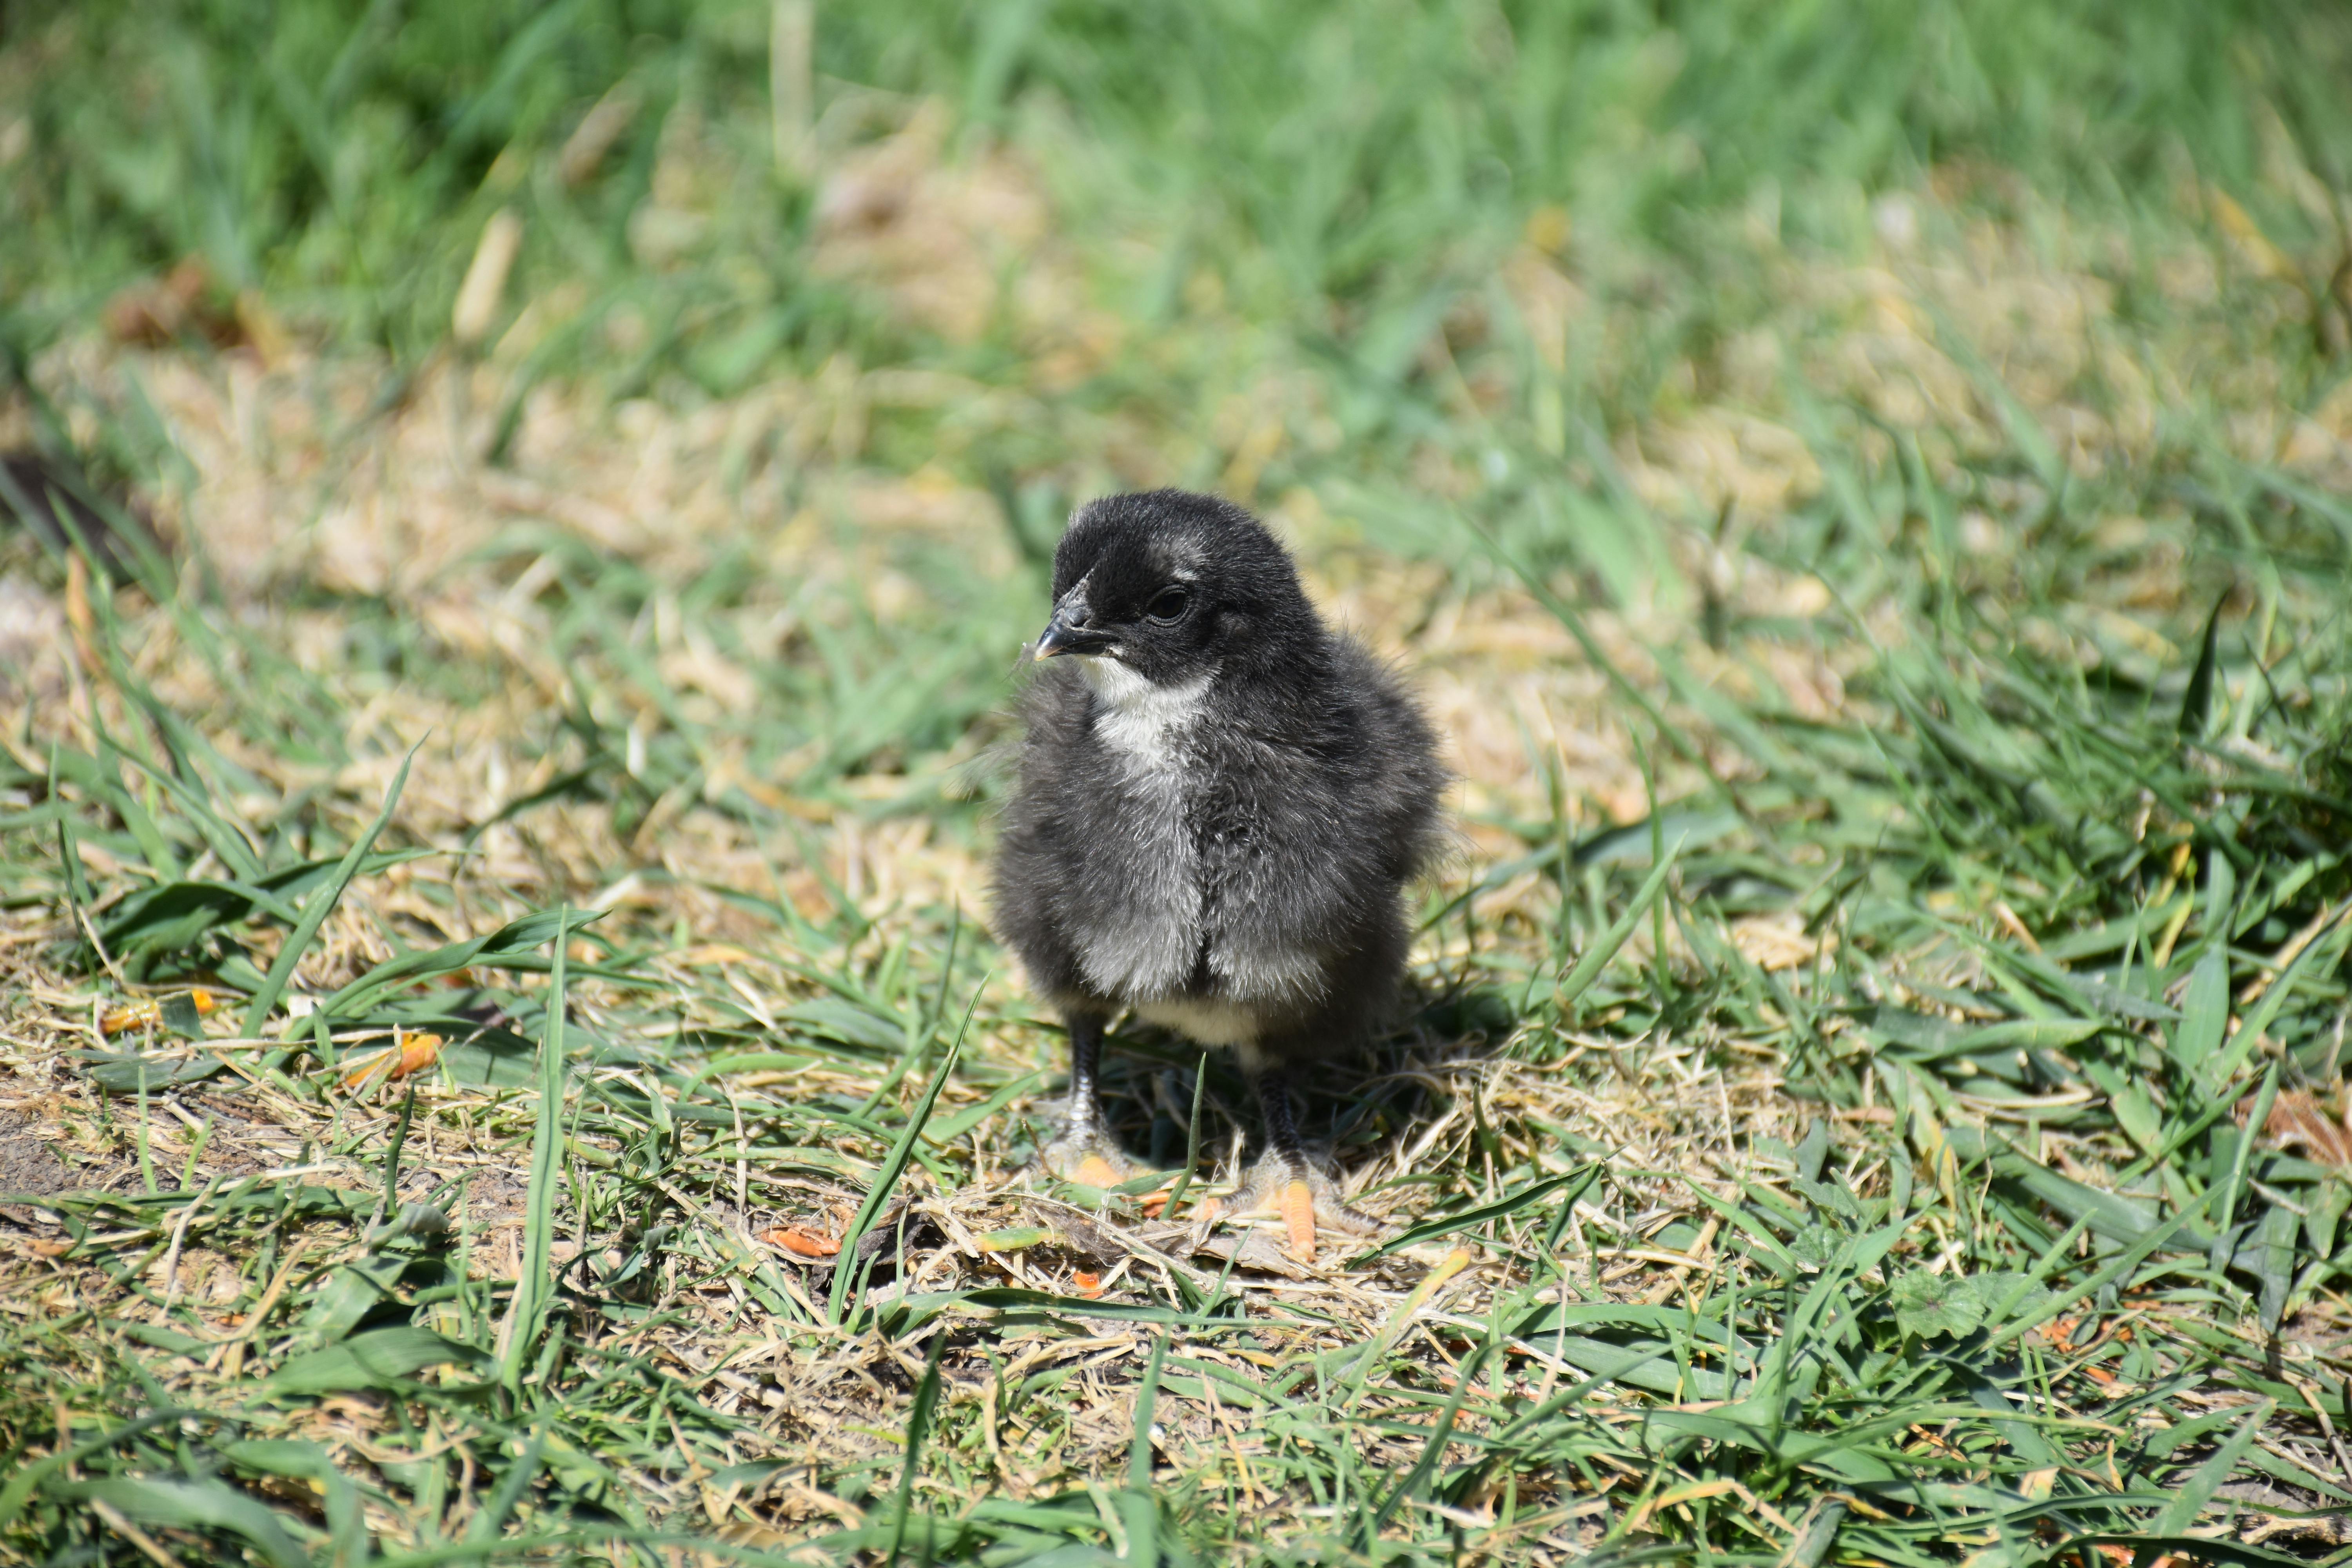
(1070, 631)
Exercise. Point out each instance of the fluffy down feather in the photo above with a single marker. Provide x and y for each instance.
(1216, 815)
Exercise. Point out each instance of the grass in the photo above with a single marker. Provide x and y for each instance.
(1864, 489)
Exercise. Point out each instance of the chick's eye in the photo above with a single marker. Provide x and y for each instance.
(1168, 604)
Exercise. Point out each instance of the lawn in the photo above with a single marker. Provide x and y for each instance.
(519, 524)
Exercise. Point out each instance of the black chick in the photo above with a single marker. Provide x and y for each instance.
(1220, 803)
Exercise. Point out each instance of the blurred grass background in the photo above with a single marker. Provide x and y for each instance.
(1896, 454)
(1342, 174)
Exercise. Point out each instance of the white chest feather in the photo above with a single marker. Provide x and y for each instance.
(1147, 942)
(1143, 722)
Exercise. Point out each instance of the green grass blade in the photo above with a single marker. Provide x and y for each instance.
(177, 1504)
(2197, 702)
(316, 908)
(918, 1427)
(893, 1166)
(1138, 1505)
(1510, 1204)
(1595, 958)
(1191, 1141)
(533, 1287)
(28, 1479)
(1435, 1447)
(2207, 1479)
(498, 1506)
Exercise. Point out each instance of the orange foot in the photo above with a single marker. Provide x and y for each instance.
(1087, 1155)
(1304, 1199)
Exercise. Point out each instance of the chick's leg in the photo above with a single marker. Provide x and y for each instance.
(1283, 1180)
(1086, 1151)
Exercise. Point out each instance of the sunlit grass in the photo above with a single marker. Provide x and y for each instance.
(1865, 492)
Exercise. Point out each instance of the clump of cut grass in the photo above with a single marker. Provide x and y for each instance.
(502, 1055)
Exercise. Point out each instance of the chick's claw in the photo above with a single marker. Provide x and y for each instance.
(1096, 1172)
(1306, 1199)
(1087, 1154)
